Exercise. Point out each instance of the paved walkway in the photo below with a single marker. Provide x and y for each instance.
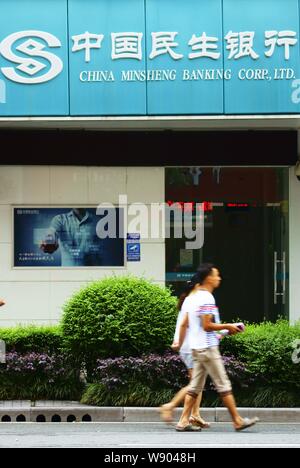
(123, 438)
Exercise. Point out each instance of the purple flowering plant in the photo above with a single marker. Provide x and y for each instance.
(158, 371)
(38, 375)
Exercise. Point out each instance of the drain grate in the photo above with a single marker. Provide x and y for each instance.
(41, 418)
(56, 412)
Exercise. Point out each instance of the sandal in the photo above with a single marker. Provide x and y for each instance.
(188, 428)
(199, 423)
(166, 413)
(247, 423)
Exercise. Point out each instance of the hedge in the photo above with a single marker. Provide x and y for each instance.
(25, 339)
(266, 349)
(124, 316)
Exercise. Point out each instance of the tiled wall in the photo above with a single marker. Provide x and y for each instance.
(37, 295)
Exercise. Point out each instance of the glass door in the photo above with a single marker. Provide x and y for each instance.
(277, 234)
(245, 235)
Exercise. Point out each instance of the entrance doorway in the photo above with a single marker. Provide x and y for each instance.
(245, 235)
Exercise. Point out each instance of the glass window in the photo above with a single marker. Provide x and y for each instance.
(245, 235)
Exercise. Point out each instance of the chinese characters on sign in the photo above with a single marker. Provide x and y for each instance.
(70, 60)
(239, 44)
(127, 45)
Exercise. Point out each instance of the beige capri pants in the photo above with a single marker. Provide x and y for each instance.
(209, 362)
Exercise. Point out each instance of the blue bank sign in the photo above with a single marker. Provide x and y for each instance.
(149, 57)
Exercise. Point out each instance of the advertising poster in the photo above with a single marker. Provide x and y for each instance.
(67, 237)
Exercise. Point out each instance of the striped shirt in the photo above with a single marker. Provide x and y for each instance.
(199, 304)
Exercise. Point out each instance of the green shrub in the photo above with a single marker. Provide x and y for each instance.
(266, 350)
(124, 316)
(32, 339)
(269, 397)
(137, 394)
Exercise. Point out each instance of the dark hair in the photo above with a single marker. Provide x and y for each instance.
(203, 272)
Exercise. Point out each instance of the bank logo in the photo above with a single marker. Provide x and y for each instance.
(33, 46)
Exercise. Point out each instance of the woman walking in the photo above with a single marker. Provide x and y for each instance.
(185, 352)
(204, 321)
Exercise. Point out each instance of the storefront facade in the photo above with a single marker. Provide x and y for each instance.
(158, 102)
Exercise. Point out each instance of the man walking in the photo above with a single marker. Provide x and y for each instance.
(203, 321)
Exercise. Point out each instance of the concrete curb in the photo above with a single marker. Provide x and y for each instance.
(68, 411)
(284, 415)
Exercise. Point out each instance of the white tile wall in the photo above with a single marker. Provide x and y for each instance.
(60, 292)
(6, 224)
(69, 185)
(152, 265)
(8, 273)
(26, 185)
(83, 274)
(145, 185)
(11, 185)
(36, 185)
(26, 302)
(105, 184)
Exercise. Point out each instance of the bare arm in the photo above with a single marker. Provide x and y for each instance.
(182, 333)
(209, 326)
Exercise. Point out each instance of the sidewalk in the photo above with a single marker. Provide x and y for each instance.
(71, 411)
